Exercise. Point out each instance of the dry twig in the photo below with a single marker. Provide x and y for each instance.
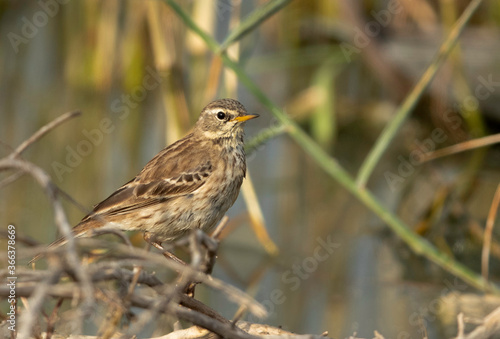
(489, 327)
(485, 255)
(13, 161)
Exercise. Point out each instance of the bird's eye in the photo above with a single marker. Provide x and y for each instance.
(221, 115)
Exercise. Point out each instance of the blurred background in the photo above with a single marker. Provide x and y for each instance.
(338, 68)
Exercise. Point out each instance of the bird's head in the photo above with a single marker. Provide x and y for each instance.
(223, 118)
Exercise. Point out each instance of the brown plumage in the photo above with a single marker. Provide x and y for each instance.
(189, 184)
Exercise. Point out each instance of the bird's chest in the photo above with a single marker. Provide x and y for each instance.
(222, 188)
(229, 177)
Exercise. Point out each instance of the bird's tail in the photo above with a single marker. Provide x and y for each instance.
(78, 231)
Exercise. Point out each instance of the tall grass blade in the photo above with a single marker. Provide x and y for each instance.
(409, 103)
(254, 20)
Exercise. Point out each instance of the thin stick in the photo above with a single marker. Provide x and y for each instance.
(10, 179)
(109, 230)
(36, 302)
(490, 222)
(60, 218)
(171, 295)
(223, 329)
(460, 325)
(42, 131)
(462, 147)
(489, 328)
(68, 197)
(220, 227)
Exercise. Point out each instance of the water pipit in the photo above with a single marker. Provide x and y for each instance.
(189, 184)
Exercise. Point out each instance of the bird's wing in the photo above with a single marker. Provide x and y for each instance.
(179, 169)
(139, 193)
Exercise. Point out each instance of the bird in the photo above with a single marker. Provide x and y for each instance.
(188, 185)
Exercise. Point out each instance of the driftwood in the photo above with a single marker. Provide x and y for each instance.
(86, 282)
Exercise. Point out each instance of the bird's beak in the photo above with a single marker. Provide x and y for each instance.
(245, 117)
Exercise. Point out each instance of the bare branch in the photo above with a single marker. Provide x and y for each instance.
(28, 318)
(490, 327)
(223, 329)
(44, 180)
(490, 222)
(42, 131)
(10, 179)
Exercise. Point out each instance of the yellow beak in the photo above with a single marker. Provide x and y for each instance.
(245, 117)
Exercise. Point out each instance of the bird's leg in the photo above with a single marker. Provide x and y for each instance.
(151, 239)
(171, 256)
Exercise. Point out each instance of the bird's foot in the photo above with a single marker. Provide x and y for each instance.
(151, 239)
(173, 257)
